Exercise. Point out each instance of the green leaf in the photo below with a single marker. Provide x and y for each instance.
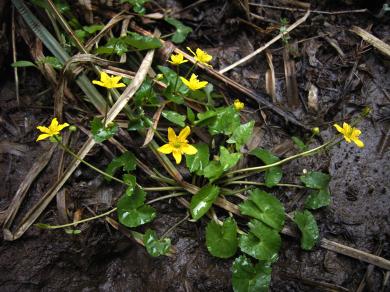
(190, 115)
(221, 241)
(308, 226)
(316, 180)
(241, 135)
(146, 94)
(19, 64)
(274, 174)
(265, 208)
(205, 118)
(174, 117)
(202, 201)
(262, 242)
(227, 159)
(300, 144)
(250, 278)
(171, 78)
(117, 46)
(154, 246)
(132, 211)
(72, 231)
(213, 170)
(131, 181)
(52, 61)
(318, 199)
(141, 42)
(101, 133)
(127, 161)
(139, 123)
(91, 29)
(197, 162)
(226, 120)
(137, 5)
(181, 30)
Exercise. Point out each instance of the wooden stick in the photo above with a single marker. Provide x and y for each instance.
(275, 39)
(372, 40)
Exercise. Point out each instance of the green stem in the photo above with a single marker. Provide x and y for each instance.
(162, 189)
(190, 71)
(228, 192)
(255, 183)
(175, 225)
(264, 167)
(174, 195)
(76, 222)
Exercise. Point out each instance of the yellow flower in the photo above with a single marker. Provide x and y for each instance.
(201, 56)
(178, 145)
(194, 83)
(350, 134)
(177, 59)
(238, 105)
(53, 129)
(109, 82)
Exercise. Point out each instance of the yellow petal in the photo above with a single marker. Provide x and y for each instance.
(188, 48)
(62, 126)
(358, 142)
(189, 149)
(177, 155)
(202, 84)
(171, 135)
(347, 128)
(53, 124)
(166, 149)
(185, 81)
(184, 134)
(43, 129)
(348, 139)
(119, 85)
(104, 77)
(338, 128)
(116, 79)
(356, 132)
(42, 136)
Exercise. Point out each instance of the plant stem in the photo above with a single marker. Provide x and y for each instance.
(162, 189)
(78, 222)
(174, 195)
(255, 183)
(175, 225)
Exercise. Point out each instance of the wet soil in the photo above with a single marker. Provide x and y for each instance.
(101, 258)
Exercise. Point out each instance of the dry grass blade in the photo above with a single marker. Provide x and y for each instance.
(36, 210)
(275, 39)
(153, 127)
(270, 83)
(291, 80)
(372, 40)
(20, 194)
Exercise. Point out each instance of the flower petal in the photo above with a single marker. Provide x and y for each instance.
(116, 79)
(171, 135)
(53, 124)
(185, 81)
(177, 155)
(202, 84)
(347, 128)
(189, 149)
(356, 132)
(184, 134)
(43, 129)
(188, 48)
(166, 149)
(338, 128)
(42, 136)
(119, 85)
(104, 77)
(358, 142)
(98, 83)
(62, 126)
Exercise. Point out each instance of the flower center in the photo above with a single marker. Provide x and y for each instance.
(177, 145)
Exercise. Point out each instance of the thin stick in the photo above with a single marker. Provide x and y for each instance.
(275, 39)
(313, 11)
(14, 56)
(372, 40)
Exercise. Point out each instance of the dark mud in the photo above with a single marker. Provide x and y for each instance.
(101, 258)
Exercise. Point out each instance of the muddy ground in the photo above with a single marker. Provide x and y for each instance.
(101, 258)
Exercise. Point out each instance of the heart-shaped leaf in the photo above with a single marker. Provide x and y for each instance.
(308, 226)
(227, 159)
(174, 117)
(221, 241)
(141, 42)
(127, 161)
(241, 135)
(273, 175)
(224, 121)
(202, 201)
(132, 211)
(198, 161)
(213, 170)
(250, 278)
(262, 242)
(316, 180)
(181, 30)
(101, 133)
(154, 246)
(318, 199)
(265, 208)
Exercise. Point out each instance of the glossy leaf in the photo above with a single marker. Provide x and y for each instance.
(131, 182)
(262, 242)
(155, 246)
(141, 42)
(227, 159)
(91, 29)
(316, 180)
(101, 133)
(181, 30)
(117, 46)
(190, 115)
(225, 121)
(265, 208)
(21, 63)
(221, 241)
(132, 211)
(213, 170)
(250, 278)
(308, 226)
(53, 61)
(203, 200)
(174, 117)
(300, 144)
(198, 162)
(241, 135)
(146, 94)
(127, 161)
(318, 199)
(138, 5)
(274, 174)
